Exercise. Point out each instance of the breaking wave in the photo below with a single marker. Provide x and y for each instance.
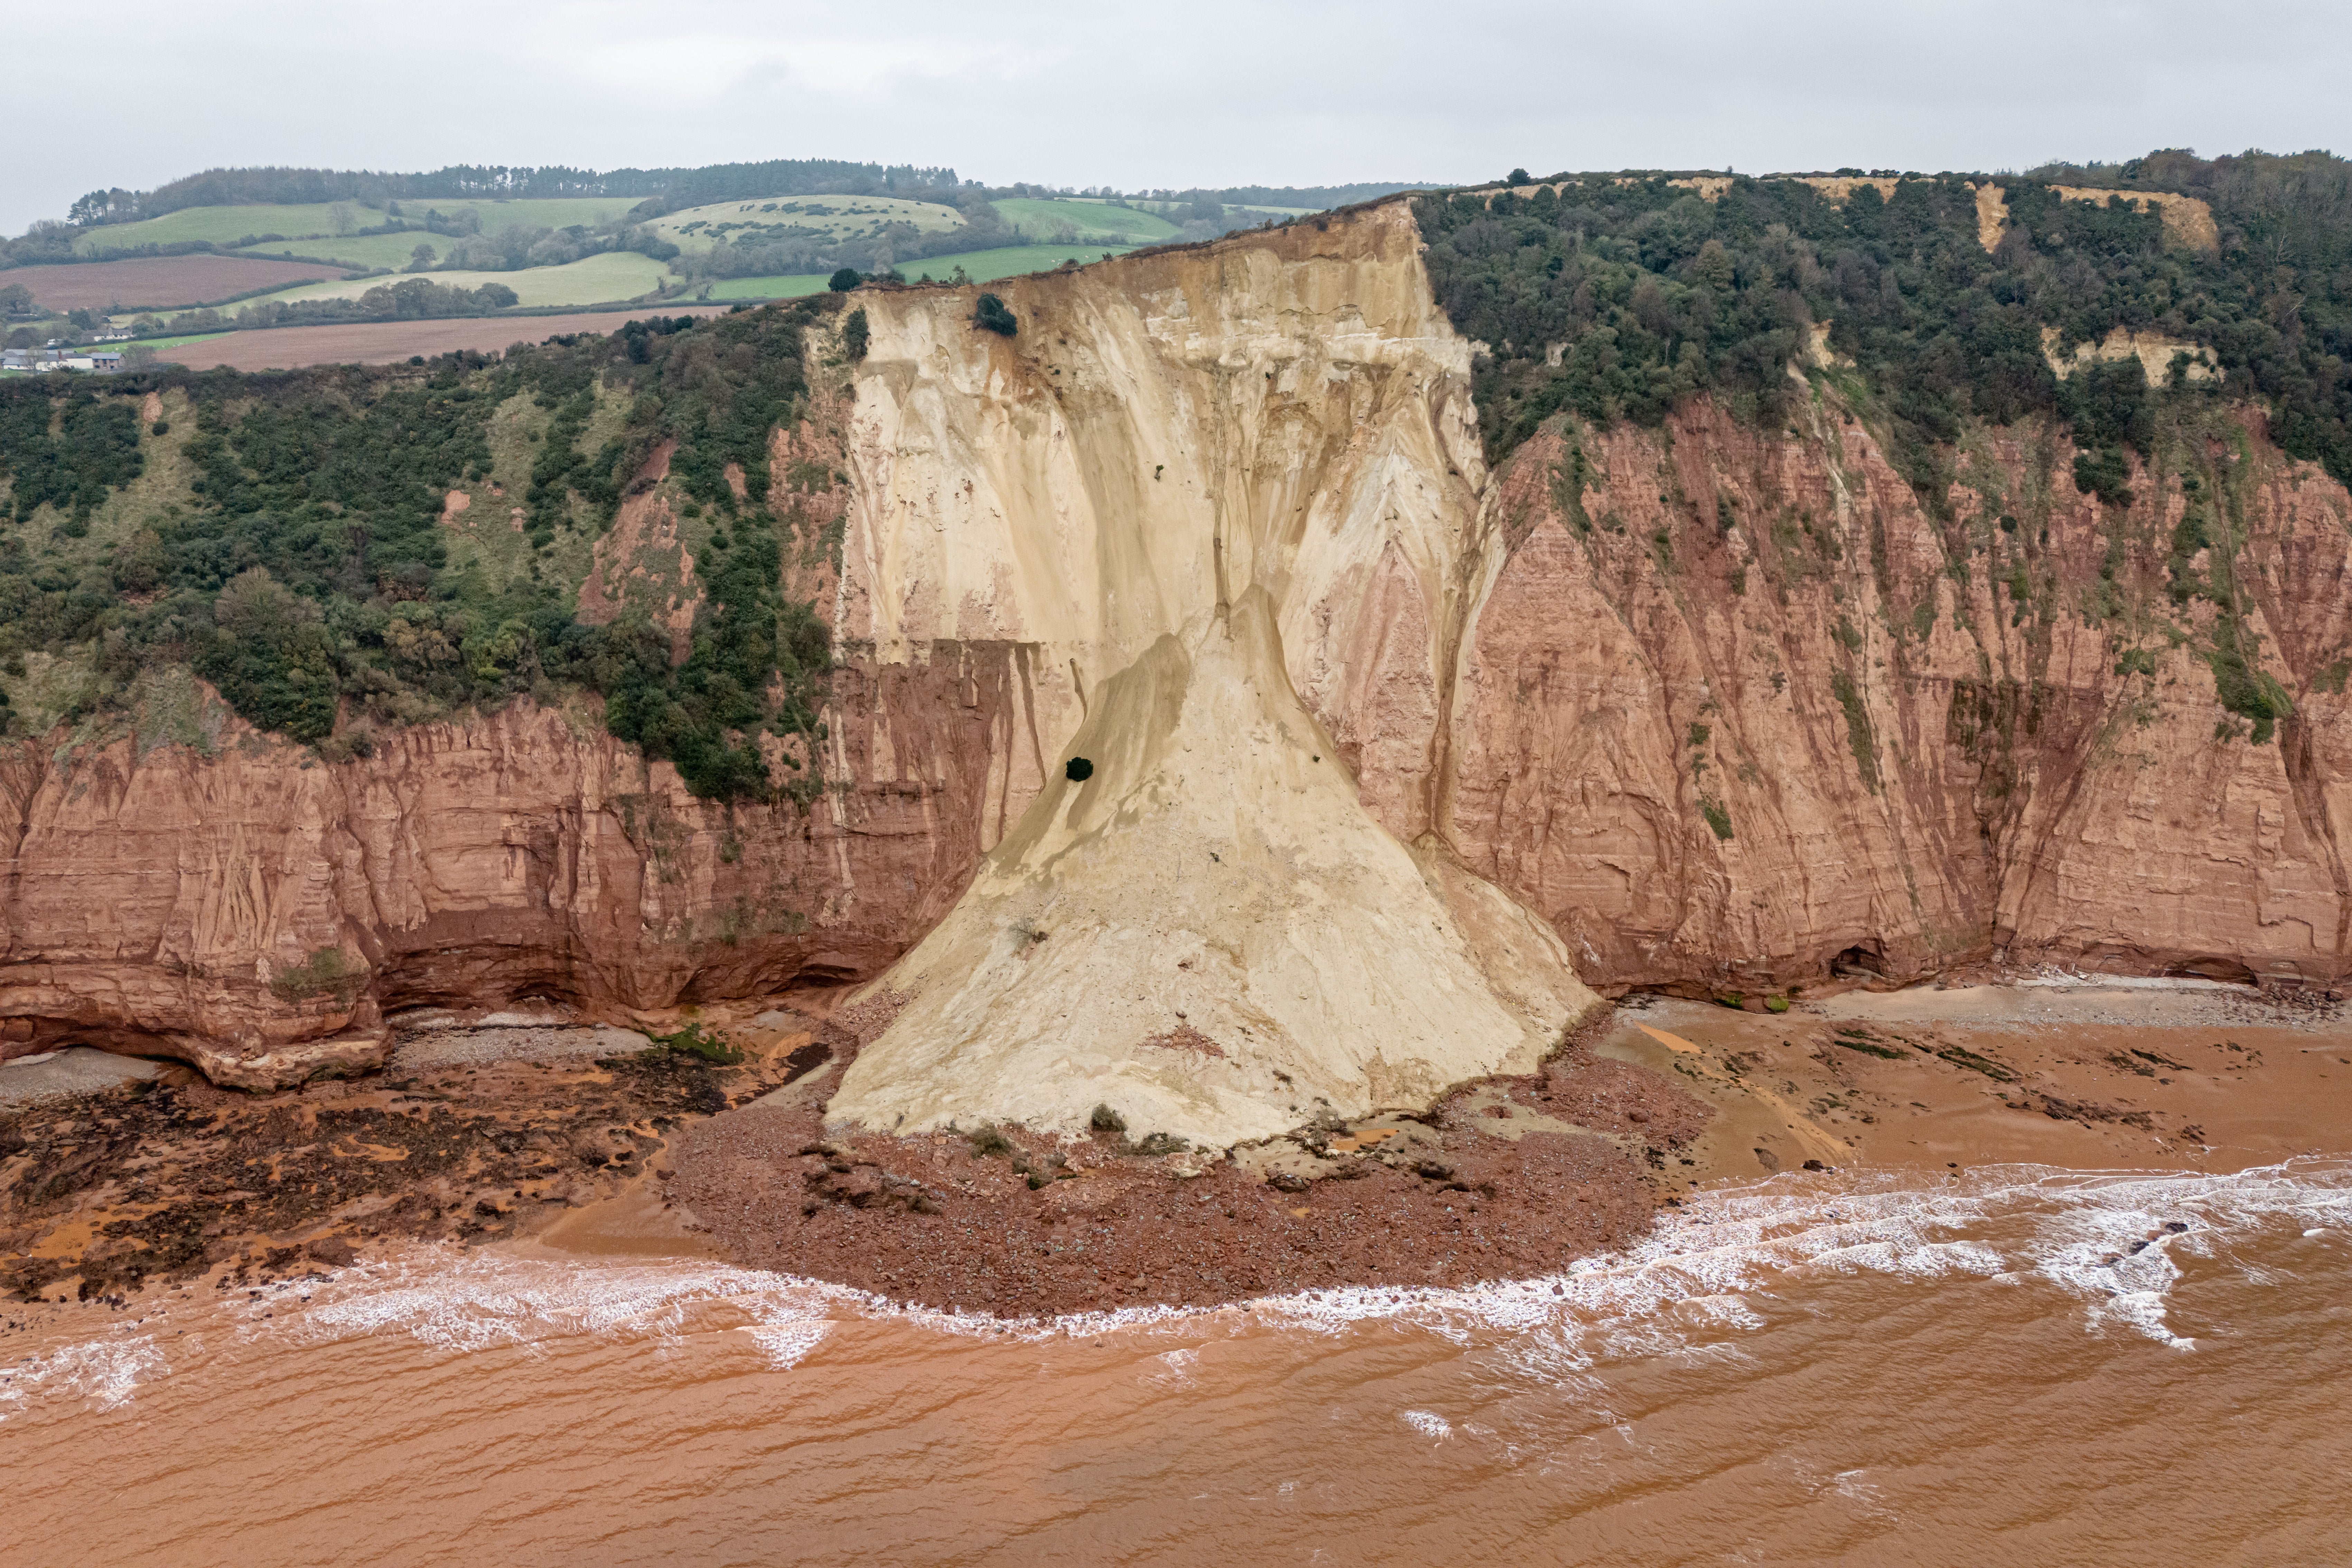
(2114, 1241)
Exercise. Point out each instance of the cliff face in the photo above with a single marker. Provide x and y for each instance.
(1725, 709)
(256, 911)
(1923, 741)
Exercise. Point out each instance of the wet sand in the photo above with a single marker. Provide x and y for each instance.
(1928, 1079)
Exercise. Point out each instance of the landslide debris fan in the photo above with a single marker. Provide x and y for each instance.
(1207, 933)
(289, 538)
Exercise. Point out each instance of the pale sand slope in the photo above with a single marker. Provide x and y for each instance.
(1224, 503)
(1210, 935)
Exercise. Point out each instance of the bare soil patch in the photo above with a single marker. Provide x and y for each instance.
(389, 342)
(161, 282)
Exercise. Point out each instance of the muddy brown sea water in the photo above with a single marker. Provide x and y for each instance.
(1911, 1359)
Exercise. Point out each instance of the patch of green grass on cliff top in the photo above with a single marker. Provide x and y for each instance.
(979, 266)
(1043, 219)
(1011, 261)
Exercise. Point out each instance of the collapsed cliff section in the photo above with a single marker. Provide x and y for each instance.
(1208, 934)
(1229, 498)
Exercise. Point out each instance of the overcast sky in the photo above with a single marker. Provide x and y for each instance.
(1210, 92)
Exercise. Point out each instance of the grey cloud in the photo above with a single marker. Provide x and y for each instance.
(1215, 92)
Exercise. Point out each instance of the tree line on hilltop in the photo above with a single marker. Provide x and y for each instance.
(1615, 296)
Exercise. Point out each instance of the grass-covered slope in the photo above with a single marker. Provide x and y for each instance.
(827, 217)
(603, 278)
(320, 222)
(1620, 296)
(291, 538)
(1055, 220)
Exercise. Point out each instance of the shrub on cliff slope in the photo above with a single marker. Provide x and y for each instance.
(991, 315)
(304, 566)
(1618, 297)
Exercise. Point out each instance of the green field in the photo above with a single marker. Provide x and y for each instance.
(217, 225)
(1013, 261)
(1179, 210)
(770, 287)
(696, 229)
(593, 281)
(979, 266)
(391, 250)
(1039, 217)
(227, 225)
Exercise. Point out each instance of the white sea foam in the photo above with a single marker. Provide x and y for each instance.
(1428, 1423)
(105, 1374)
(2112, 1240)
(788, 1341)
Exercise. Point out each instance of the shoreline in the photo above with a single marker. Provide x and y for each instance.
(494, 1136)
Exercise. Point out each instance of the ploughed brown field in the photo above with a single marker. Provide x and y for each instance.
(161, 282)
(388, 343)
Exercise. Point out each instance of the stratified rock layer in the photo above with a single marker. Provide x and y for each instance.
(1923, 742)
(178, 904)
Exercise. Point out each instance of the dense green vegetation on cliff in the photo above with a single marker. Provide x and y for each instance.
(1620, 296)
(287, 537)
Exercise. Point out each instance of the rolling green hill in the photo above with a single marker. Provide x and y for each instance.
(316, 220)
(593, 280)
(365, 251)
(838, 216)
(1043, 218)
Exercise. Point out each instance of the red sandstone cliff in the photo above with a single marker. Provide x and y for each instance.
(1917, 764)
(177, 903)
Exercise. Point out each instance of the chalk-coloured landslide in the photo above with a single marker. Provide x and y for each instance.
(1229, 496)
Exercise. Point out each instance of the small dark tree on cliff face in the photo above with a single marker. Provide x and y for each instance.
(991, 315)
(843, 282)
(855, 334)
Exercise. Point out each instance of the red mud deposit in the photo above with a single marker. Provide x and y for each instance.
(1490, 1185)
